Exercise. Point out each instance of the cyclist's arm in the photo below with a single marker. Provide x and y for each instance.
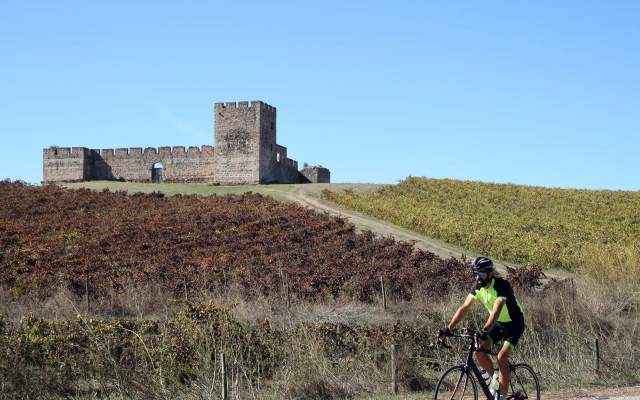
(495, 313)
(462, 310)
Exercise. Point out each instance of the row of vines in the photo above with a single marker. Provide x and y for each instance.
(596, 232)
(52, 237)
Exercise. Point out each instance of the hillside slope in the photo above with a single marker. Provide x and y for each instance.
(221, 271)
(308, 195)
(52, 236)
(591, 231)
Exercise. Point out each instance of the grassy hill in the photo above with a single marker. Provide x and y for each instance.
(596, 232)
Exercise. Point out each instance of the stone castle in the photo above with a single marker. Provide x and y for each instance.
(245, 152)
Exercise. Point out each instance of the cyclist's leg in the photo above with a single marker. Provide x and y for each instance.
(495, 335)
(483, 358)
(512, 333)
(503, 364)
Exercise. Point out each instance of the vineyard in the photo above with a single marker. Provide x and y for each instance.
(595, 232)
(80, 239)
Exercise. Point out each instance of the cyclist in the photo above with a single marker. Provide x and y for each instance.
(505, 322)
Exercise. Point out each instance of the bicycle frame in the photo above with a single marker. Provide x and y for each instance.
(471, 365)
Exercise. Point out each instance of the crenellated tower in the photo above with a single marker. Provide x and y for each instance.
(245, 143)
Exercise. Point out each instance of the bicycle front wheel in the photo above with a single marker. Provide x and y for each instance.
(456, 384)
(524, 383)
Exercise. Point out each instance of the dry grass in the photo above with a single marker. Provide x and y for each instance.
(563, 323)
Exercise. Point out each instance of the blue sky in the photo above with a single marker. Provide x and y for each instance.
(540, 93)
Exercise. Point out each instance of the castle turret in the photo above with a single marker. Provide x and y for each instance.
(245, 142)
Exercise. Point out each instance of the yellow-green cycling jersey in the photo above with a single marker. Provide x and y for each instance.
(499, 289)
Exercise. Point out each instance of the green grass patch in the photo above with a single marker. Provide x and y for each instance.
(171, 189)
(596, 232)
(277, 191)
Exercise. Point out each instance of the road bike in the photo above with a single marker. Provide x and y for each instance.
(461, 382)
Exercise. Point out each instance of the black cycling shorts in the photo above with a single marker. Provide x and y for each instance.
(509, 332)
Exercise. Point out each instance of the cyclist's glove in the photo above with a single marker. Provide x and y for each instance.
(445, 332)
(484, 335)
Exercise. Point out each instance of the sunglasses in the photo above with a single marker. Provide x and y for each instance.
(481, 274)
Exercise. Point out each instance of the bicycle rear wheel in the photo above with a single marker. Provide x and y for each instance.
(456, 384)
(524, 383)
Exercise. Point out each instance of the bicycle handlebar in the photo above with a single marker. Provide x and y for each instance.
(468, 334)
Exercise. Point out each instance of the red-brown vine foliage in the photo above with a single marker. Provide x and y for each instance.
(50, 236)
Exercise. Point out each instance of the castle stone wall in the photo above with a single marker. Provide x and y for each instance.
(286, 171)
(268, 144)
(64, 164)
(135, 164)
(281, 152)
(130, 164)
(316, 175)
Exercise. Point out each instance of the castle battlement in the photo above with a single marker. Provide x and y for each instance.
(245, 104)
(149, 152)
(65, 152)
(246, 152)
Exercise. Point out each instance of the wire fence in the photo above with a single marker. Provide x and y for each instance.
(437, 364)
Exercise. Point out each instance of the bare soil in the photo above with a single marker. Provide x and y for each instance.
(627, 393)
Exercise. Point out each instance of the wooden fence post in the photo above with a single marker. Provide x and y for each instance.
(597, 356)
(285, 288)
(86, 291)
(394, 368)
(186, 293)
(384, 293)
(223, 370)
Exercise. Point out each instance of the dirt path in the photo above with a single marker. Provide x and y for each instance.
(599, 393)
(383, 228)
(628, 393)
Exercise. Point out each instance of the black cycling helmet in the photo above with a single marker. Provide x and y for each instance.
(482, 264)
